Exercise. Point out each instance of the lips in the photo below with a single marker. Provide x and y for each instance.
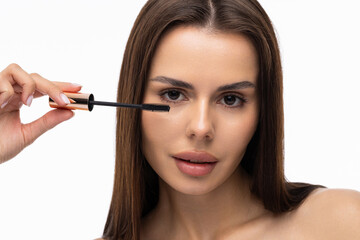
(194, 163)
(196, 157)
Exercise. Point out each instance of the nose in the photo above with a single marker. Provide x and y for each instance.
(200, 125)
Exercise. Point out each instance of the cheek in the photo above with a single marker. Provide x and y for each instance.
(158, 130)
(238, 131)
(242, 129)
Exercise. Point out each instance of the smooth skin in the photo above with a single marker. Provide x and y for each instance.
(201, 119)
(220, 205)
(17, 87)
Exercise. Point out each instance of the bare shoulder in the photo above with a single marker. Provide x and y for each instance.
(330, 214)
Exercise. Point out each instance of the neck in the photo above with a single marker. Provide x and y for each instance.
(211, 214)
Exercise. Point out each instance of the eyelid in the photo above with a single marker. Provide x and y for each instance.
(241, 98)
(184, 92)
(167, 90)
(237, 94)
(162, 92)
(222, 95)
(171, 89)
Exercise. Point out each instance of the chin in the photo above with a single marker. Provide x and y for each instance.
(194, 191)
(193, 185)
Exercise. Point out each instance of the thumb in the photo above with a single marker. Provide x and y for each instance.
(36, 128)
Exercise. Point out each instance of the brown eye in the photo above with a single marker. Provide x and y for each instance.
(233, 101)
(173, 94)
(230, 99)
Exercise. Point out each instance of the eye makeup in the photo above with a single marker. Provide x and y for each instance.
(85, 101)
(168, 99)
(239, 99)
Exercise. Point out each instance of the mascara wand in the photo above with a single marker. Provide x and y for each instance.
(150, 107)
(85, 101)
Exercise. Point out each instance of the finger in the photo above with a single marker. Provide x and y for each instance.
(6, 92)
(47, 87)
(16, 75)
(64, 86)
(36, 128)
(68, 87)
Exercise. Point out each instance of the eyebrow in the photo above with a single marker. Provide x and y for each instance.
(182, 84)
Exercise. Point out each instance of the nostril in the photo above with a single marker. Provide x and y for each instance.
(201, 136)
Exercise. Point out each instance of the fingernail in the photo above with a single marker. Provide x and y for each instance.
(64, 98)
(29, 100)
(76, 85)
(4, 104)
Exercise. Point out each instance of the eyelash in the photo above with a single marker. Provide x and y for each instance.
(236, 95)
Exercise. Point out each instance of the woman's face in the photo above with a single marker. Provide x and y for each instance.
(209, 81)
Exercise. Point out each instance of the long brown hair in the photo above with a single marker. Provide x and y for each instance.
(135, 191)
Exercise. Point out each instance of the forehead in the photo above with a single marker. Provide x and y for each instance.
(197, 55)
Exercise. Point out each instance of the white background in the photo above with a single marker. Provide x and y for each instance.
(60, 187)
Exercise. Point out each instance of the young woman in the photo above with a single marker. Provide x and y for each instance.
(211, 168)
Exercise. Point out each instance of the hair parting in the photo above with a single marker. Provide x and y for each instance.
(135, 190)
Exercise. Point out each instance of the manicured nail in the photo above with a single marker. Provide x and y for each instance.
(4, 104)
(64, 98)
(76, 85)
(29, 100)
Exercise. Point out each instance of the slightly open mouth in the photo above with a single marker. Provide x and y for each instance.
(194, 162)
